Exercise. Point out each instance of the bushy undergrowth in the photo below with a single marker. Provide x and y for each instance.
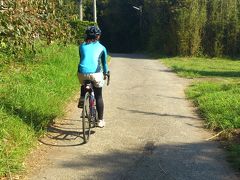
(78, 28)
(24, 22)
(31, 96)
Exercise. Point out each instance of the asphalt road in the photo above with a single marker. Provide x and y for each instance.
(152, 132)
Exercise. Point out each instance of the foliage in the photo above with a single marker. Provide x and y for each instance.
(172, 27)
(23, 22)
(222, 30)
(32, 94)
(78, 29)
(120, 25)
(185, 27)
(191, 17)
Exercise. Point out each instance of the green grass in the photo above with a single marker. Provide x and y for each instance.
(204, 67)
(32, 94)
(16, 139)
(219, 103)
(216, 92)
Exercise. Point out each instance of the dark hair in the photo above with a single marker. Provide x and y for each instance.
(92, 32)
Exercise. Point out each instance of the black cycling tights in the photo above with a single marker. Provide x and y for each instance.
(99, 100)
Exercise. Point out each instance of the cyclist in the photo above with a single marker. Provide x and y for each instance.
(93, 66)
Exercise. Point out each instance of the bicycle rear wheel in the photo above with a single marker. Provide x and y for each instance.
(86, 118)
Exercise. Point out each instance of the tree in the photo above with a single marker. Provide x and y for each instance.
(173, 27)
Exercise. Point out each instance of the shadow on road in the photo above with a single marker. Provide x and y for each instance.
(156, 114)
(64, 134)
(170, 97)
(203, 160)
(208, 73)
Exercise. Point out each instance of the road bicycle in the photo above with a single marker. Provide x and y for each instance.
(89, 112)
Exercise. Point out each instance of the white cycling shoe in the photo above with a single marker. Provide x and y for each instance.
(101, 123)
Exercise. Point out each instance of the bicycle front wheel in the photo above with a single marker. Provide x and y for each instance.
(86, 123)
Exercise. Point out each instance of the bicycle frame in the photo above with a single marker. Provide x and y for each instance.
(89, 113)
(89, 88)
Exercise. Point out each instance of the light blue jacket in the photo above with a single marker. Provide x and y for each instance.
(93, 58)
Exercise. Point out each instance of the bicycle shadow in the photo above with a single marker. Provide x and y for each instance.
(64, 134)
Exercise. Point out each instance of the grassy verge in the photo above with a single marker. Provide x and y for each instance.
(216, 91)
(204, 67)
(32, 94)
(218, 102)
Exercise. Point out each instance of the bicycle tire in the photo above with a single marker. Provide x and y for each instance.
(86, 123)
(94, 120)
(94, 115)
